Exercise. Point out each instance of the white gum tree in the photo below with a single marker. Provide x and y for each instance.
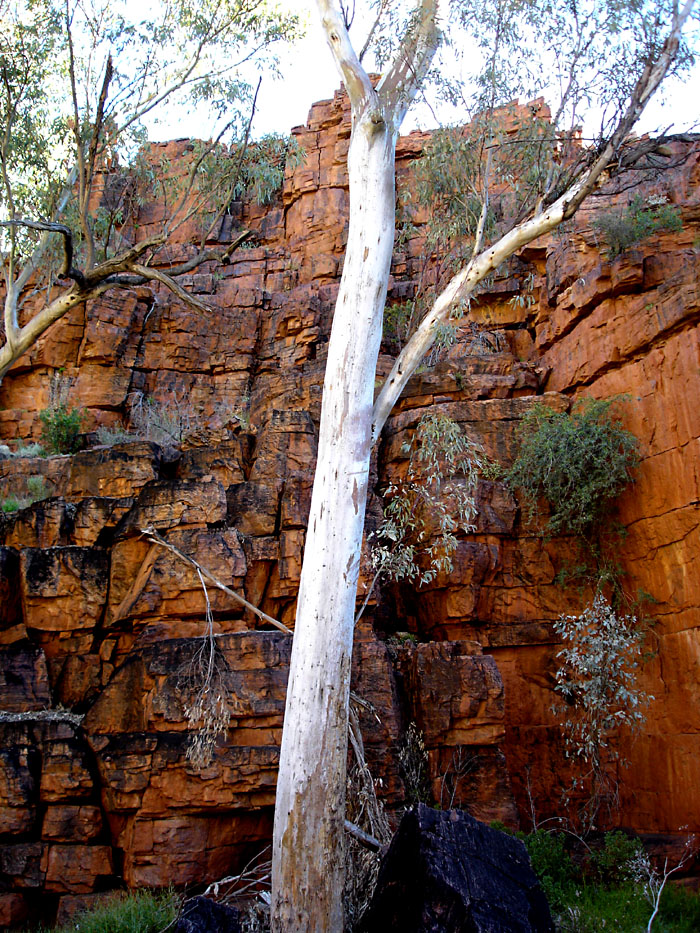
(308, 863)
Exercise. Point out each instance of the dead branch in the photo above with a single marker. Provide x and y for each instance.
(152, 535)
(155, 275)
(67, 270)
(369, 842)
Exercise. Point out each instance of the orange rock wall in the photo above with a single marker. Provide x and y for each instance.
(98, 625)
(631, 326)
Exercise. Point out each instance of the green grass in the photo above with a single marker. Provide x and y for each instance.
(139, 912)
(624, 909)
(597, 895)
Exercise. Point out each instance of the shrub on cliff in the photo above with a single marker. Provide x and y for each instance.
(62, 425)
(578, 462)
(597, 683)
(642, 219)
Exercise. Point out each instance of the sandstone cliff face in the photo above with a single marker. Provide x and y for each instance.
(98, 626)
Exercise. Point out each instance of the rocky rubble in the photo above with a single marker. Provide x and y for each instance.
(98, 624)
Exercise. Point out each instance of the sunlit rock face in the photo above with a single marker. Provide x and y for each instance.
(99, 625)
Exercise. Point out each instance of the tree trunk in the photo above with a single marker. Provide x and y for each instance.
(308, 860)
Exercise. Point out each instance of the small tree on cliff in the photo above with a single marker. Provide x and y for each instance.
(77, 81)
(617, 53)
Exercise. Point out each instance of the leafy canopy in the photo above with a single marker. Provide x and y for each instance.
(82, 80)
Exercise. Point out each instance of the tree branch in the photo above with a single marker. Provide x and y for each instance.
(239, 164)
(462, 285)
(92, 159)
(34, 260)
(123, 261)
(152, 535)
(211, 255)
(357, 82)
(67, 271)
(400, 84)
(155, 275)
(369, 842)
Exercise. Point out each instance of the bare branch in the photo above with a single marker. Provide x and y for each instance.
(237, 173)
(155, 275)
(210, 255)
(67, 270)
(151, 533)
(481, 226)
(77, 137)
(383, 6)
(369, 842)
(94, 143)
(400, 84)
(123, 261)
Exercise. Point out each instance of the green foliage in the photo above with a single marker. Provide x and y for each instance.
(138, 912)
(108, 437)
(36, 487)
(172, 56)
(28, 450)
(600, 891)
(263, 167)
(433, 501)
(610, 864)
(62, 426)
(578, 462)
(13, 504)
(446, 180)
(398, 323)
(551, 863)
(643, 218)
(624, 909)
(492, 470)
(597, 680)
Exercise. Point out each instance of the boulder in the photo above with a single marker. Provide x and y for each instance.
(447, 873)
(201, 915)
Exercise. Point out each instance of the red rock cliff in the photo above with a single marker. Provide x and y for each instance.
(97, 625)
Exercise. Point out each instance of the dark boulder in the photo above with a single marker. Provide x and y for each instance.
(447, 873)
(201, 915)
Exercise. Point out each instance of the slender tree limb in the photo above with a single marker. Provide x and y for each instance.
(399, 86)
(123, 261)
(369, 842)
(211, 255)
(383, 6)
(239, 164)
(462, 285)
(481, 226)
(155, 275)
(152, 535)
(92, 158)
(67, 271)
